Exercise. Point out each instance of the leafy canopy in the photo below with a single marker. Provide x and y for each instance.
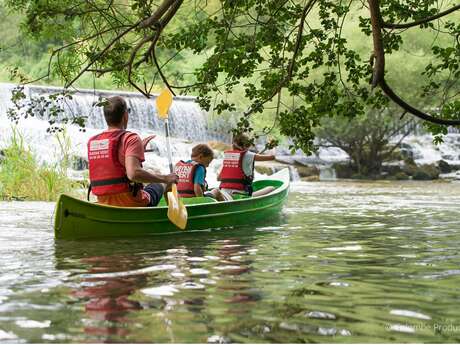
(289, 54)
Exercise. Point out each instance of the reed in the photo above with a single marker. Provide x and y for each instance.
(22, 177)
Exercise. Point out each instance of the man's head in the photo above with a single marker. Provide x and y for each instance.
(241, 142)
(202, 154)
(116, 112)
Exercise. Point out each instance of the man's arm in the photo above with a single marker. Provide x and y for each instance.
(136, 173)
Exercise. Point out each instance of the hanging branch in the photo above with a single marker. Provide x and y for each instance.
(378, 75)
(169, 15)
(290, 70)
(102, 52)
(156, 21)
(420, 21)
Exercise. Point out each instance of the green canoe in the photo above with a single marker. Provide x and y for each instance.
(78, 219)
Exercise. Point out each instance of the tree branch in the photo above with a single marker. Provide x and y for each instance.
(291, 66)
(424, 116)
(420, 21)
(378, 76)
(379, 53)
(102, 52)
(172, 11)
(161, 10)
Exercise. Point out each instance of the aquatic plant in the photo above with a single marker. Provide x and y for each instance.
(23, 177)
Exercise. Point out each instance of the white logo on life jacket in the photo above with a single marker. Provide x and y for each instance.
(231, 160)
(97, 145)
(183, 171)
(99, 149)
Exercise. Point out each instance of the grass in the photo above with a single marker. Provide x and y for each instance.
(22, 177)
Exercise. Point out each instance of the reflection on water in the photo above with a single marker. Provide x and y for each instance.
(346, 262)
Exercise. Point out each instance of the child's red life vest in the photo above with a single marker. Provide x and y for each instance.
(106, 174)
(232, 175)
(186, 173)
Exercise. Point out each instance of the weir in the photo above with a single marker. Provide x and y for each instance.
(188, 124)
(186, 119)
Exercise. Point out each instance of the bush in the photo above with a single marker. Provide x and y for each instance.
(444, 167)
(401, 176)
(343, 170)
(21, 177)
(359, 177)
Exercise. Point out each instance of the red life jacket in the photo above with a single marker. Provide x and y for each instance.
(186, 173)
(106, 174)
(232, 175)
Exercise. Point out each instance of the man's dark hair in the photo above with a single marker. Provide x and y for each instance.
(114, 109)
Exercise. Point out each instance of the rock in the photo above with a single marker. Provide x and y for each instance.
(392, 168)
(409, 161)
(409, 168)
(448, 157)
(262, 169)
(307, 171)
(444, 167)
(79, 163)
(219, 146)
(311, 178)
(397, 155)
(426, 172)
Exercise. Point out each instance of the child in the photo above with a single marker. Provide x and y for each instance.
(238, 168)
(192, 174)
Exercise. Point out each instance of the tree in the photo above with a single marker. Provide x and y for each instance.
(262, 46)
(368, 139)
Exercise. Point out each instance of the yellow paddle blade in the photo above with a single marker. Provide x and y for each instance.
(177, 213)
(164, 101)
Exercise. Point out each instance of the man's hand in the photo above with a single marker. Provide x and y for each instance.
(146, 141)
(171, 178)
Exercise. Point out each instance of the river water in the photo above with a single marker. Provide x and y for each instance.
(345, 262)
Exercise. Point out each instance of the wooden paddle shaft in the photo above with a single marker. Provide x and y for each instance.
(168, 146)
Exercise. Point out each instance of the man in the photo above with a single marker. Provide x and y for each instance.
(115, 163)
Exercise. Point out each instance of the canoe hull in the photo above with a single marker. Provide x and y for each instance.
(78, 219)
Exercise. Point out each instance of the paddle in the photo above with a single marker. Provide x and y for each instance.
(177, 213)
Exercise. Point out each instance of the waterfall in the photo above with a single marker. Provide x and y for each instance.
(188, 126)
(327, 173)
(293, 174)
(186, 119)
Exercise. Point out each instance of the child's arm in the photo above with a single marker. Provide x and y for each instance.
(260, 158)
(198, 189)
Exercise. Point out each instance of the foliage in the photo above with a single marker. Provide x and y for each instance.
(41, 106)
(258, 48)
(365, 138)
(22, 177)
